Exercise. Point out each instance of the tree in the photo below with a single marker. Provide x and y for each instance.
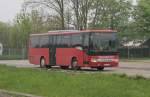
(22, 27)
(25, 24)
(113, 14)
(56, 5)
(142, 18)
(39, 16)
(4, 33)
(81, 10)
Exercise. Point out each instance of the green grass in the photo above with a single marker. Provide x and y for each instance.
(11, 57)
(59, 84)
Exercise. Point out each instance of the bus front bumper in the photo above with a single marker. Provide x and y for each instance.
(103, 64)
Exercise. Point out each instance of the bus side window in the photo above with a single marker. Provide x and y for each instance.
(85, 40)
(66, 41)
(35, 42)
(76, 39)
(59, 41)
(44, 41)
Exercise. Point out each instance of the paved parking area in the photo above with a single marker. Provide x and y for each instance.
(17, 63)
(141, 68)
(130, 68)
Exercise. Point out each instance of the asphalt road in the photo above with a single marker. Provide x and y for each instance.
(131, 68)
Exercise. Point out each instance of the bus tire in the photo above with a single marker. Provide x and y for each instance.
(100, 68)
(64, 67)
(42, 63)
(74, 64)
(48, 66)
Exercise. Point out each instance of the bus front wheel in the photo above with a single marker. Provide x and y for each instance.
(42, 63)
(74, 64)
(100, 68)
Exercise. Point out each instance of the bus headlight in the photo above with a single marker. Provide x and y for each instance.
(116, 60)
(93, 60)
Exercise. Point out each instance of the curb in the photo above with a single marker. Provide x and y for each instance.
(18, 93)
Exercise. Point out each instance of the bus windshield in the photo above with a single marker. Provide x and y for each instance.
(103, 41)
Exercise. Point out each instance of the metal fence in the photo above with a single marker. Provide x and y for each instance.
(14, 53)
(132, 52)
(125, 52)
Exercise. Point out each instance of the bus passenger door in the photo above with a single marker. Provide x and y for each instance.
(52, 56)
(52, 53)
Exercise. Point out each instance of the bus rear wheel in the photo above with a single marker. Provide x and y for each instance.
(74, 64)
(42, 63)
(100, 68)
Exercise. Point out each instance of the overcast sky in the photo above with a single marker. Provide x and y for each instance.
(9, 9)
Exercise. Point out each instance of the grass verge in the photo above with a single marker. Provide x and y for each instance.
(11, 57)
(60, 84)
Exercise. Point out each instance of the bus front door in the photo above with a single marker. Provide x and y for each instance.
(53, 56)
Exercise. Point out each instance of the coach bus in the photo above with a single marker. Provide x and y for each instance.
(74, 49)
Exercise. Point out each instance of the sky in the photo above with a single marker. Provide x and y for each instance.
(9, 9)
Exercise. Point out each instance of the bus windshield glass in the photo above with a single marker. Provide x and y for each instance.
(103, 41)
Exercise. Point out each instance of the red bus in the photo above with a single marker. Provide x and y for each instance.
(74, 49)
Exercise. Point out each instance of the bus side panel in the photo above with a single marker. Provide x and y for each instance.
(36, 53)
(65, 55)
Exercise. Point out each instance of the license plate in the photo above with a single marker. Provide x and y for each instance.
(105, 60)
(106, 64)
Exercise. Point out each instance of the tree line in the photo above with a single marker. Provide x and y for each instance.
(37, 16)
